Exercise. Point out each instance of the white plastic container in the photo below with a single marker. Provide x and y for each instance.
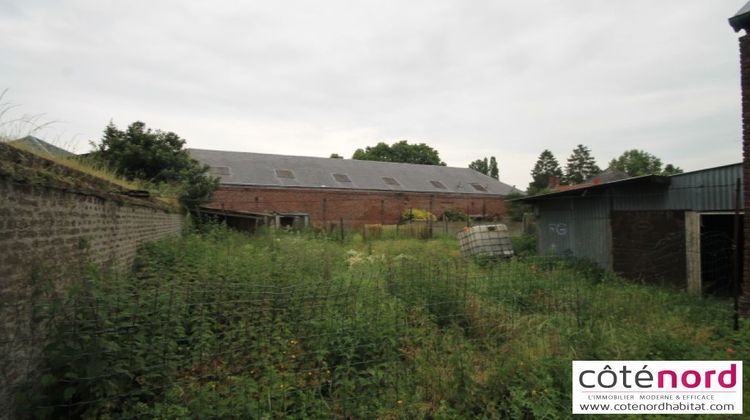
(486, 240)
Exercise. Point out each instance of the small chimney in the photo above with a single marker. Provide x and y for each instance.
(554, 182)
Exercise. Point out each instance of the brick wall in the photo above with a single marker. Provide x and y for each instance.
(745, 80)
(45, 232)
(357, 208)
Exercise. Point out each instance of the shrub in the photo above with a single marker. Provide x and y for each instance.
(417, 215)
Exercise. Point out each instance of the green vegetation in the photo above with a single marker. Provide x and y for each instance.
(455, 215)
(401, 152)
(415, 214)
(638, 162)
(581, 166)
(487, 167)
(223, 325)
(159, 159)
(545, 167)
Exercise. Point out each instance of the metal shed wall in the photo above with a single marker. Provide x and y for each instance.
(580, 225)
(576, 226)
(707, 190)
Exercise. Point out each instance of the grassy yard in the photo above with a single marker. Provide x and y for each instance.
(223, 325)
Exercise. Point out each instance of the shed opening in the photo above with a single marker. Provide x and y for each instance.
(717, 253)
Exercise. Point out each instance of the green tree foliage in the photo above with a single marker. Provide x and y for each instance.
(480, 165)
(494, 170)
(581, 166)
(638, 162)
(670, 169)
(402, 152)
(545, 167)
(156, 157)
(335, 156)
(487, 167)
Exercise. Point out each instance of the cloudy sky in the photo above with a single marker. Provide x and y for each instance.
(470, 78)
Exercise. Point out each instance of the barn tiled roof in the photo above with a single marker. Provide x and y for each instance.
(242, 168)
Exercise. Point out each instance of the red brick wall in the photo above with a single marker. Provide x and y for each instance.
(355, 207)
(745, 80)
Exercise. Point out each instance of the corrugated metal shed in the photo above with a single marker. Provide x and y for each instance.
(257, 169)
(577, 221)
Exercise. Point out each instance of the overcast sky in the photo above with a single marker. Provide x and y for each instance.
(470, 78)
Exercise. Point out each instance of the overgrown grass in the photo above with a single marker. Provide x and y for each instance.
(222, 325)
(14, 126)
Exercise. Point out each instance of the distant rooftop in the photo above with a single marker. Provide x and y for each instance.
(258, 169)
(38, 145)
(741, 19)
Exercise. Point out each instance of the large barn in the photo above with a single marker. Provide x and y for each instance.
(302, 191)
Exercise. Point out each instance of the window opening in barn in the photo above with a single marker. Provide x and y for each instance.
(342, 178)
(479, 187)
(391, 181)
(285, 173)
(438, 184)
(219, 171)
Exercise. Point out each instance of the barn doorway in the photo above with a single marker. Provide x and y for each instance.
(717, 253)
(293, 221)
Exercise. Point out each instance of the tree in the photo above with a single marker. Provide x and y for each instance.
(638, 162)
(402, 152)
(671, 170)
(483, 166)
(546, 166)
(494, 170)
(335, 156)
(581, 166)
(156, 157)
(480, 165)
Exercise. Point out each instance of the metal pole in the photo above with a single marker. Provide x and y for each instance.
(736, 256)
(325, 216)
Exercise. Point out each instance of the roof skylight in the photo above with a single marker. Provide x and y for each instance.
(342, 178)
(391, 181)
(478, 187)
(438, 184)
(285, 173)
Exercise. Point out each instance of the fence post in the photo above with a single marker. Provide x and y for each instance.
(324, 204)
(445, 224)
(429, 218)
(341, 229)
(382, 212)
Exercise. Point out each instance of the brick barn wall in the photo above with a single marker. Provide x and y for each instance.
(357, 208)
(745, 80)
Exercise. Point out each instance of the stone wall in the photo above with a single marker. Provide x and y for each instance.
(54, 221)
